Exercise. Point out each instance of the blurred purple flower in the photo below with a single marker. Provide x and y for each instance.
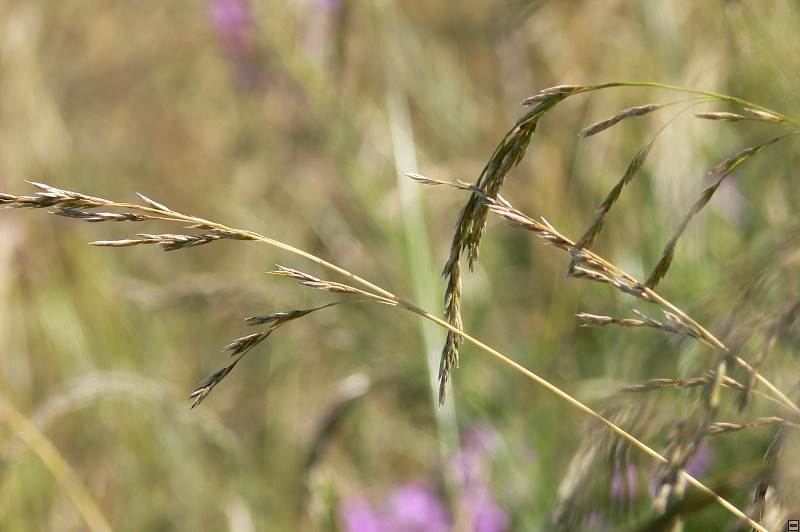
(328, 5)
(471, 468)
(487, 516)
(417, 506)
(233, 20)
(623, 485)
(702, 461)
(359, 516)
(412, 507)
(597, 523)
(698, 467)
(471, 462)
(235, 27)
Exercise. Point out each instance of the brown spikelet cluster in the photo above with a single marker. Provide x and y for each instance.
(471, 222)
(241, 346)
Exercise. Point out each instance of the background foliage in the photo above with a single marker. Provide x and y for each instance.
(279, 117)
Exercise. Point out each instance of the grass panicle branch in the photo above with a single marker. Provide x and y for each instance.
(471, 222)
(595, 268)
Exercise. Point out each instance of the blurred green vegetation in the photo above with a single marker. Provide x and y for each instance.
(282, 125)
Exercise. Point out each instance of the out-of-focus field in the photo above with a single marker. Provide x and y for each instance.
(292, 119)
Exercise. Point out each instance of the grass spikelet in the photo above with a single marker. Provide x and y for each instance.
(545, 94)
(471, 222)
(764, 115)
(597, 127)
(208, 384)
(726, 166)
(320, 284)
(657, 384)
(154, 204)
(590, 234)
(720, 116)
(51, 197)
(241, 346)
(720, 171)
(94, 217)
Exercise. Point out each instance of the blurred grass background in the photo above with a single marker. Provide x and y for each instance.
(279, 118)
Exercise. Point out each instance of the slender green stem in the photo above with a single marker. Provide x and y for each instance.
(716, 96)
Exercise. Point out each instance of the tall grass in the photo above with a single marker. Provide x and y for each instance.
(289, 135)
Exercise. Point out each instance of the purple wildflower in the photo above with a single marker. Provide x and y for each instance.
(702, 461)
(417, 506)
(235, 27)
(233, 20)
(358, 516)
(471, 469)
(412, 507)
(623, 485)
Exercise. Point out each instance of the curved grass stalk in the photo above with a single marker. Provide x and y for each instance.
(565, 396)
(78, 205)
(55, 462)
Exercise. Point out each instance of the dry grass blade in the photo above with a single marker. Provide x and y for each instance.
(597, 127)
(57, 464)
(719, 172)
